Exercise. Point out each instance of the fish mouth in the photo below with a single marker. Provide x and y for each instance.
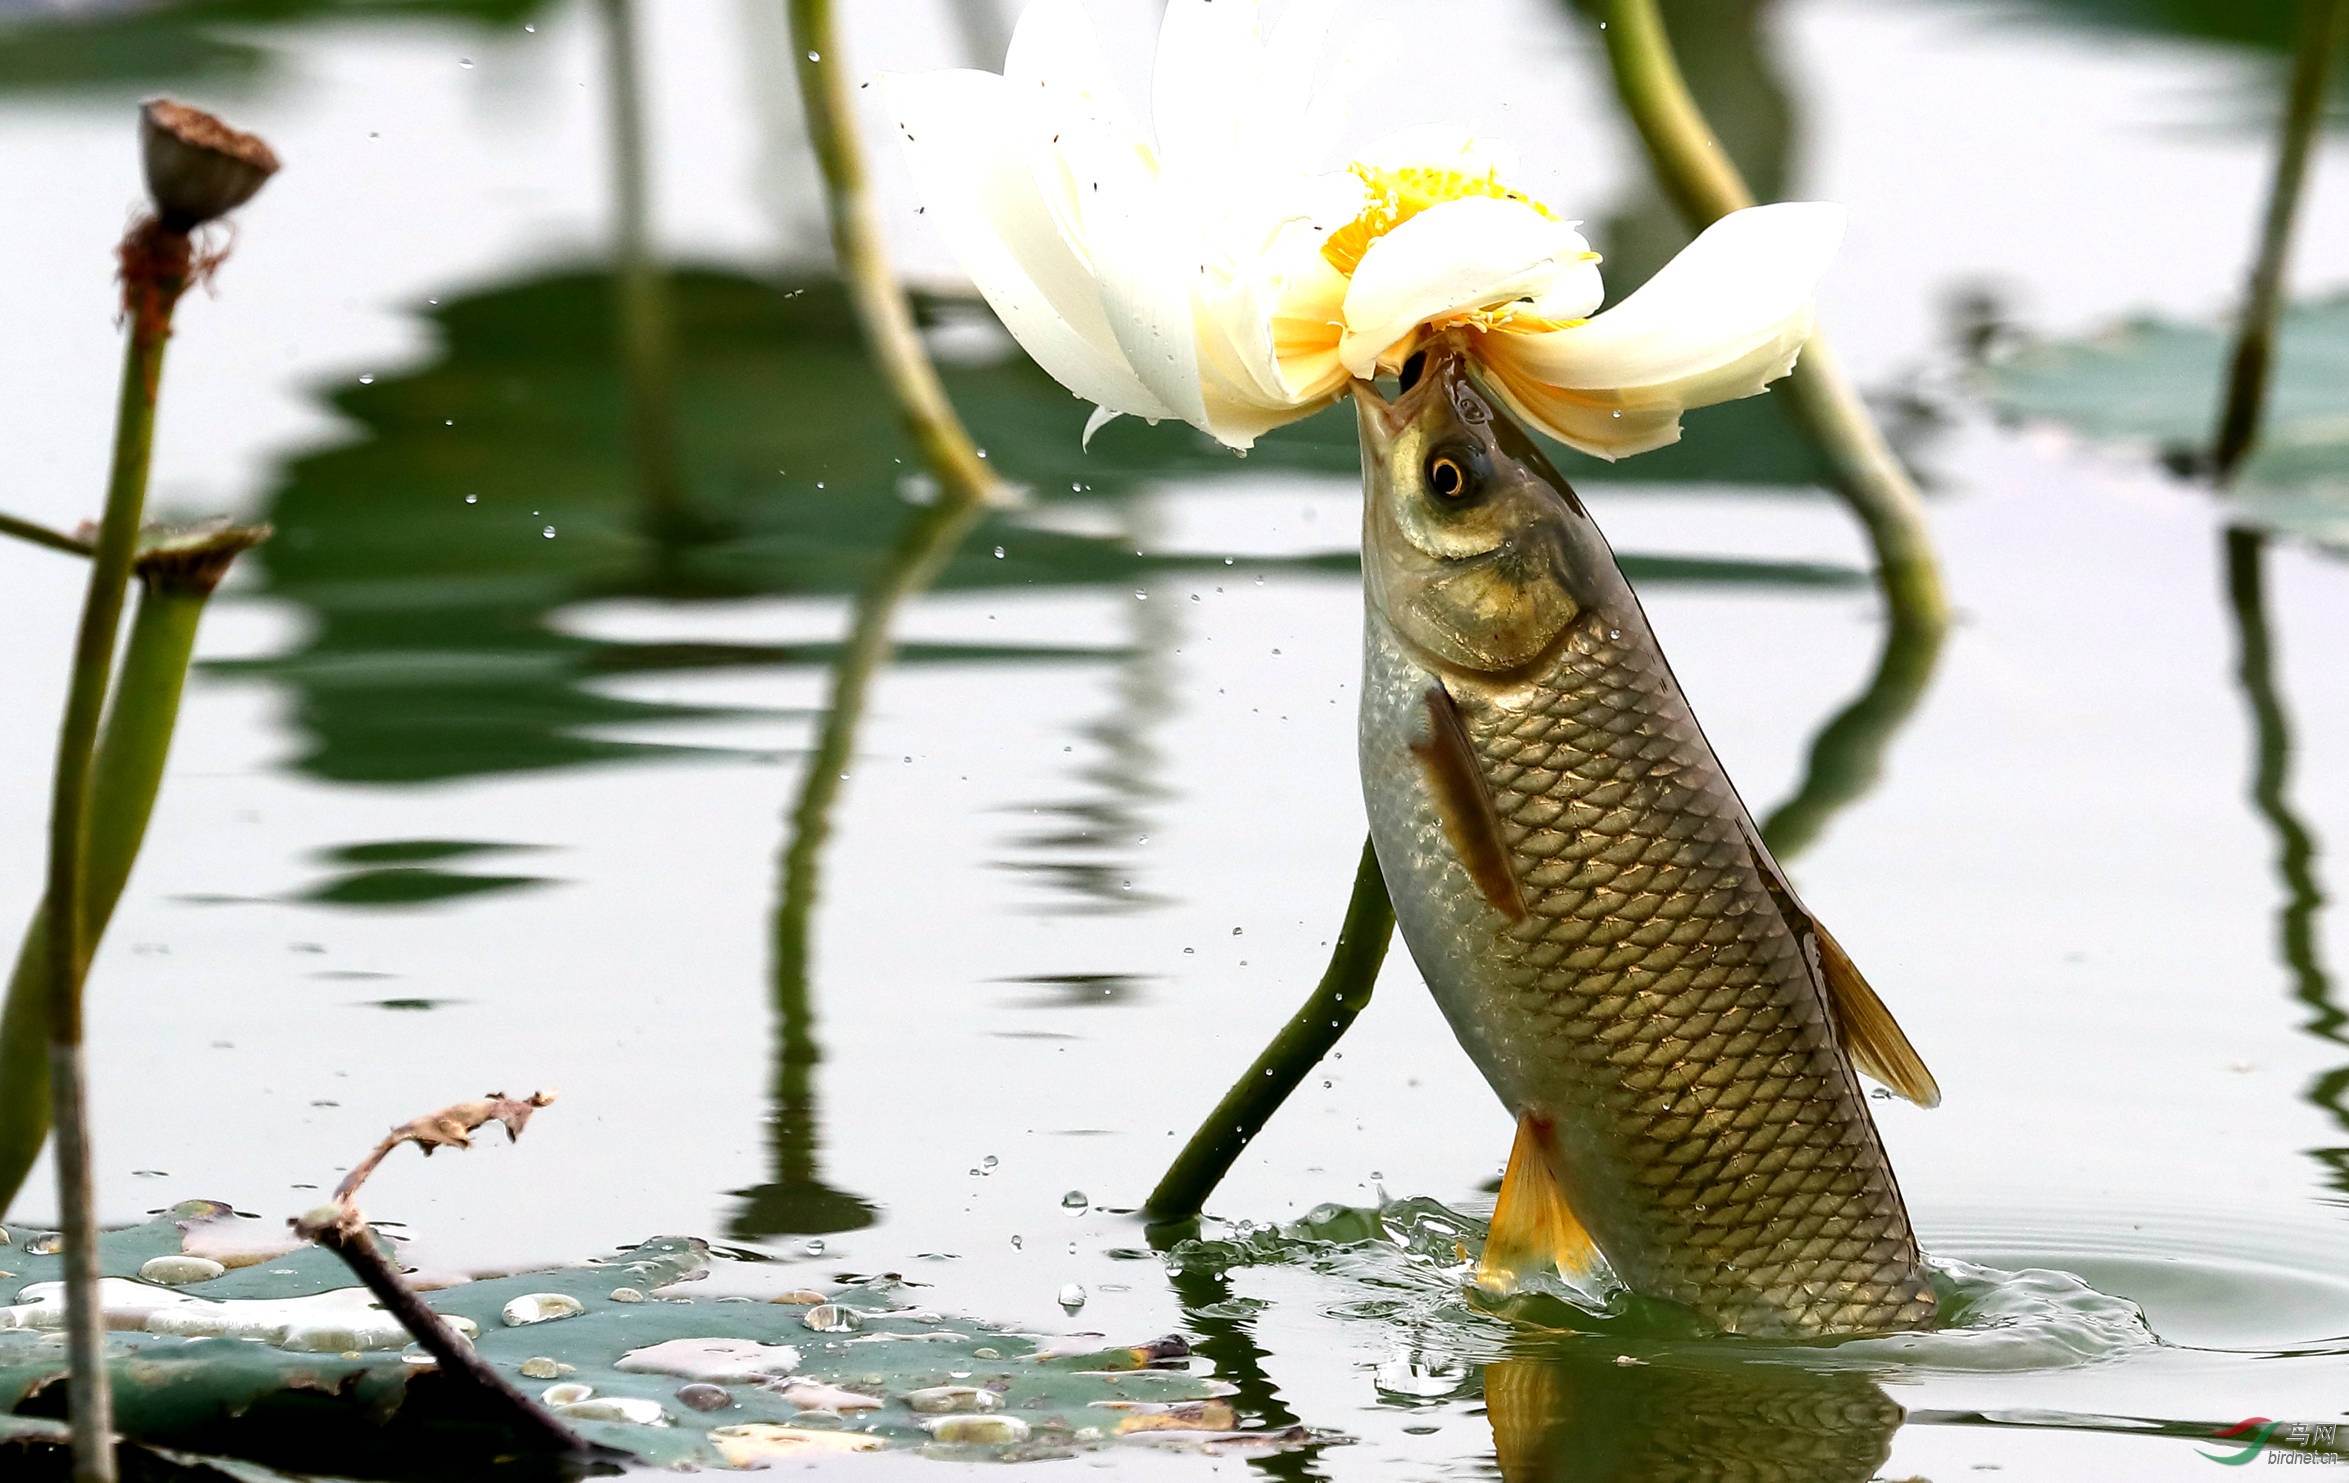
(1428, 373)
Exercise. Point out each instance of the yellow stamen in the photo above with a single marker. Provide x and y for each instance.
(1397, 195)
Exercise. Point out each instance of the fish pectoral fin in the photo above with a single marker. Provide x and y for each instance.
(1877, 1044)
(1465, 804)
(1533, 1226)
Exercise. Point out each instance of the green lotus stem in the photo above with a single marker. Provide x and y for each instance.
(1703, 182)
(1284, 1064)
(881, 306)
(176, 578)
(155, 265)
(640, 291)
(42, 535)
(2323, 23)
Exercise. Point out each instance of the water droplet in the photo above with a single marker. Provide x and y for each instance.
(1075, 1202)
(549, 532)
(368, 379)
(1072, 1296)
(813, 1246)
(998, 553)
(1235, 932)
(989, 1162)
(1140, 595)
(1016, 1243)
(1190, 950)
(815, 56)
(1260, 579)
(819, 484)
(465, 62)
(533, 30)
(473, 499)
(831, 1318)
(1614, 633)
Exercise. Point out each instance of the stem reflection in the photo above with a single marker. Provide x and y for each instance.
(1847, 754)
(2296, 846)
(795, 1200)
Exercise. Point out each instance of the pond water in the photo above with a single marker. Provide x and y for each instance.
(478, 788)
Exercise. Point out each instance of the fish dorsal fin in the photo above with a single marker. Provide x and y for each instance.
(1465, 804)
(1533, 1226)
(1871, 1036)
(1875, 1039)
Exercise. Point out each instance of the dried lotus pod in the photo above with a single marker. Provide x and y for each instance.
(198, 168)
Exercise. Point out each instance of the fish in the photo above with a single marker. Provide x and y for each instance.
(1586, 896)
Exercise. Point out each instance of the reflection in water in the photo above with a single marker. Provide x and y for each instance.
(1847, 755)
(795, 1200)
(2295, 846)
(1086, 846)
(1581, 1415)
(1222, 1329)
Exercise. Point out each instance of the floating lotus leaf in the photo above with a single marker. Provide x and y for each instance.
(2156, 386)
(372, 1410)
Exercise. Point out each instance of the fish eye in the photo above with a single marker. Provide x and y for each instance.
(1455, 473)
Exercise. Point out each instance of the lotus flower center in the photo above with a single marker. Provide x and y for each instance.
(1400, 193)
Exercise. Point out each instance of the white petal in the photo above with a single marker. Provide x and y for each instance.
(1591, 421)
(1720, 321)
(1207, 88)
(963, 143)
(1101, 418)
(1100, 181)
(1472, 253)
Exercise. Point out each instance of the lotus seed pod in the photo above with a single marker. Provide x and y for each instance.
(178, 1271)
(540, 1307)
(938, 1399)
(198, 168)
(994, 1431)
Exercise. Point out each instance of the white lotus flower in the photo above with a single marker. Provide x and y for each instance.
(1218, 278)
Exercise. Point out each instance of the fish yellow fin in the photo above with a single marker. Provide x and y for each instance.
(1533, 1227)
(1874, 1038)
(1465, 805)
(1871, 1036)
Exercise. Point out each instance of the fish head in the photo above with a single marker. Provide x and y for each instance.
(1474, 549)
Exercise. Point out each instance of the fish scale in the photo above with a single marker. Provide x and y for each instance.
(1747, 1177)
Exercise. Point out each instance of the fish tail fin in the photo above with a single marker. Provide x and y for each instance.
(1533, 1226)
